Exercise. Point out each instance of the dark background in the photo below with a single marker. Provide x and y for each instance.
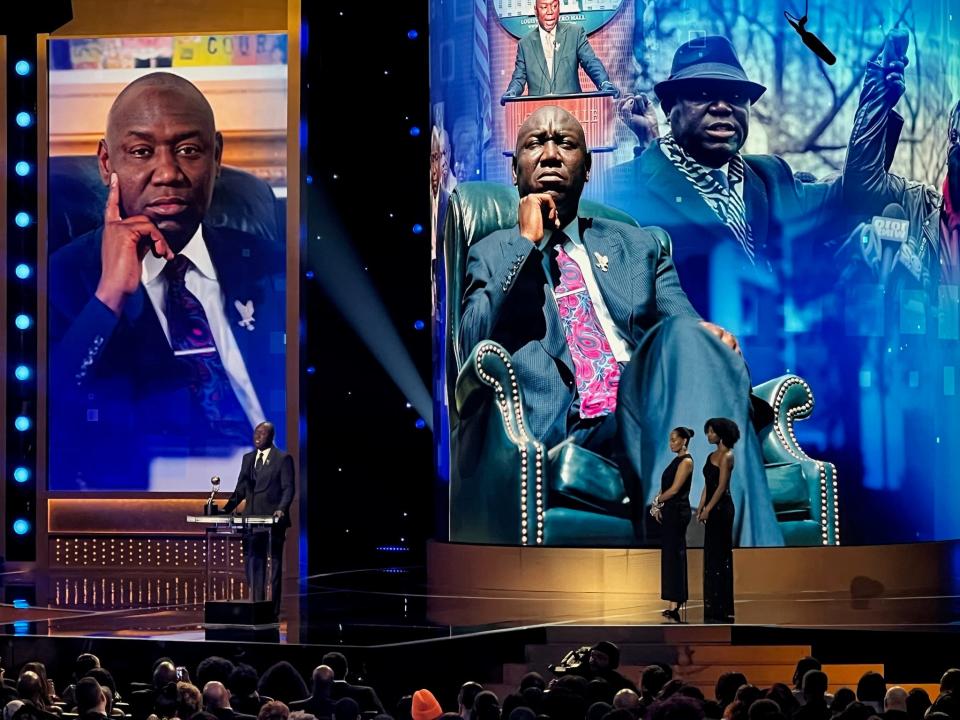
(369, 468)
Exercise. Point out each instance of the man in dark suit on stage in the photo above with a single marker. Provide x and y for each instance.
(605, 344)
(266, 486)
(167, 333)
(549, 57)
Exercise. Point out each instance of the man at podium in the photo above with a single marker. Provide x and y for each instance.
(549, 57)
(266, 487)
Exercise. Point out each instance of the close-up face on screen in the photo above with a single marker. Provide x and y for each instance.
(790, 177)
(163, 146)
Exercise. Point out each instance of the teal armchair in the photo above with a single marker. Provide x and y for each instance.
(507, 488)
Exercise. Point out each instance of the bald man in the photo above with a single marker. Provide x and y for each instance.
(320, 703)
(167, 332)
(608, 349)
(216, 701)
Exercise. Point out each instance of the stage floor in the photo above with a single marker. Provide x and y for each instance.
(373, 607)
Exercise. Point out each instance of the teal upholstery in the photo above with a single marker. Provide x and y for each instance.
(507, 488)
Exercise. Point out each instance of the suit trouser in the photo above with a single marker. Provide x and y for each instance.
(256, 548)
(680, 376)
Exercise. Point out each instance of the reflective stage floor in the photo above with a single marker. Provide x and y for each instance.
(383, 606)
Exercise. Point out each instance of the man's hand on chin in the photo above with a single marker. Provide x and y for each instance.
(726, 337)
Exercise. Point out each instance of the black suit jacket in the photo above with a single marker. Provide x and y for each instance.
(116, 379)
(229, 714)
(366, 697)
(778, 208)
(509, 299)
(266, 490)
(319, 707)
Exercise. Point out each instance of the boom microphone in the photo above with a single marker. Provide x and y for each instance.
(809, 39)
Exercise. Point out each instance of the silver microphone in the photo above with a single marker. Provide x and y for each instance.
(215, 483)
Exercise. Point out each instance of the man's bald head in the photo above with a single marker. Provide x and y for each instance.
(549, 114)
(165, 673)
(215, 696)
(323, 678)
(159, 85)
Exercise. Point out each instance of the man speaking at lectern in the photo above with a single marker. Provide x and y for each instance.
(549, 57)
(266, 486)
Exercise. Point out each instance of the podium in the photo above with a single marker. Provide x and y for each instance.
(596, 111)
(243, 620)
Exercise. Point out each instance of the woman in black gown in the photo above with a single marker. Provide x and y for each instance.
(672, 508)
(716, 513)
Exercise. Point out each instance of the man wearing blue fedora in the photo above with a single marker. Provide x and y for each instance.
(714, 201)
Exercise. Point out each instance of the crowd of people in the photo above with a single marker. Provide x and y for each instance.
(591, 688)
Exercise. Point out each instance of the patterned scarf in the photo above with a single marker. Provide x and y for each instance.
(727, 204)
(949, 239)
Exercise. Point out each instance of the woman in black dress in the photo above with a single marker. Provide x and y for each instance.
(716, 513)
(672, 508)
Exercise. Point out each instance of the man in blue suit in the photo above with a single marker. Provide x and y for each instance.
(549, 57)
(167, 334)
(607, 347)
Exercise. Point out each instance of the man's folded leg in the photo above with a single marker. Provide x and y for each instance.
(681, 375)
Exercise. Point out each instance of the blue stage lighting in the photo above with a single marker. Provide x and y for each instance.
(22, 168)
(414, 131)
(412, 34)
(421, 423)
(22, 219)
(21, 474)
(22, 423)
(23, 322)
(22, 68)
(419, 325)
(22, 271)
(21, 526)
(417, 229)
(22, 373)
(24, 119)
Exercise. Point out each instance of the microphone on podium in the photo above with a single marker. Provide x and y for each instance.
(210, 508)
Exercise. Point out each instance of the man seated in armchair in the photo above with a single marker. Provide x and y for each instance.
(610, 353)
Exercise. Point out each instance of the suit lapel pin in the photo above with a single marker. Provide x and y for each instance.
(603, 262)
(246, 313)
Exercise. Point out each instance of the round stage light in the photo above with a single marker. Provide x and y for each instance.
(22, 168)
(22, 219)
(22, 373)
(24, 119)
(421, 423)
(417, 229)
(22, 68)
(412, 34)
(23, 322)
(21, 474)
(419, 325)
(21, 526)
(22, 271)
(414, 131)
(22, 423)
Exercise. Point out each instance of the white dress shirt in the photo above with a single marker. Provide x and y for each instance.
(262, 455)
(619, 343)
(201, 280)
(549, 42)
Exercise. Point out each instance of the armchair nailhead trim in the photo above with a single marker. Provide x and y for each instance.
(803, 411)
(519, 436)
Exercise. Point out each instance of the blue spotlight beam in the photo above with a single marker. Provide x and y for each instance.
(343, 278)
